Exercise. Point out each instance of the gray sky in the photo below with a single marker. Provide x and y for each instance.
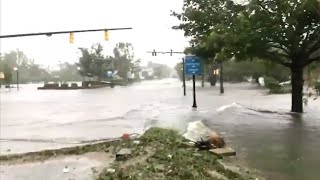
(150, 19)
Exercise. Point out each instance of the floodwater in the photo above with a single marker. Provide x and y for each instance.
(258, 126)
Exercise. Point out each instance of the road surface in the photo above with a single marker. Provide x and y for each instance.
(266, 137)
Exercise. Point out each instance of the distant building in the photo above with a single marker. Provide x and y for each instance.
(146, 73)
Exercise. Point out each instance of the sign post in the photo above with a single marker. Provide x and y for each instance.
(193, 67)
(183, 77)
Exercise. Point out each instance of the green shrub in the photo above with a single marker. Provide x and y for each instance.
(275, 88)
(317, 87)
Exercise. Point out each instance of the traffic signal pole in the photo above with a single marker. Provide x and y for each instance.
(171, 52)
(62, 32)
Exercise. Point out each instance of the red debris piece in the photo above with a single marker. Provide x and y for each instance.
(125, 136)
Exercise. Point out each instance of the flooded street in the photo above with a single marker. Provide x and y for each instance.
(256, 125)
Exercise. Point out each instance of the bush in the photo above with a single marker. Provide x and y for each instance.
(275, 88)
(64, 86)
(317, 87)
(271, 82)
(74, 85)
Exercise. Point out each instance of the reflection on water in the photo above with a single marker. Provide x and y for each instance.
(266, 137)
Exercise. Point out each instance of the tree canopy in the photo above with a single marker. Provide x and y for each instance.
(285, 32)
(30, 72)
(94, 63)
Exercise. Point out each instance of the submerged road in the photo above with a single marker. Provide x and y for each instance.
(257, 125)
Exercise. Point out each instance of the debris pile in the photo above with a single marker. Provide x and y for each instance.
(205, 139)
(165, 154)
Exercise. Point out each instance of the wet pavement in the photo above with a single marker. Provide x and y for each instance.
(258, 127)
(81, 167)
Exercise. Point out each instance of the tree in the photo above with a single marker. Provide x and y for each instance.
(67, 72)
(93, 62)
(123, 56)
(179, 68)
(160, 70)
(285, 32)
(85, 62)
(28, 70)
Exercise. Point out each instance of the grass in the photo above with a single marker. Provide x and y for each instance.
(46, 154)
(160, 154)
(166, 157)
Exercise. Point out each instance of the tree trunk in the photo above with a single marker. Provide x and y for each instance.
(221, 79)
(297, 89)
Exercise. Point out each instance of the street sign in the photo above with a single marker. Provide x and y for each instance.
(193, 65)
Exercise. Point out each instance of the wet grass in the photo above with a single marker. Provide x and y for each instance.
(166, 157)
(160, 154)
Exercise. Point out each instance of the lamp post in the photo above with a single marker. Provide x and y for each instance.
(16, 69)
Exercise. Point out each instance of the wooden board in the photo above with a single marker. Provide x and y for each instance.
(226, 151)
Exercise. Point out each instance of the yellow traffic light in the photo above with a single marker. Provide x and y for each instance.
(71, 38)
(106, 35)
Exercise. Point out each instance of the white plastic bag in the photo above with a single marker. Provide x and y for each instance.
(196, 130)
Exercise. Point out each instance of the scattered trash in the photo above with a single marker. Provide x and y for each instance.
(188, 144)
(111, 170)
(170, 156)
(204, 145)
(123, 154)
(196, 130)
(65, 169)
(134, 136)
(203, 137)
(125, 136)
(197, 154)
(215, 139)
(136, 142)
(226, 151)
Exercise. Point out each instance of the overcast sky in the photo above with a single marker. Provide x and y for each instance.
(150, 20)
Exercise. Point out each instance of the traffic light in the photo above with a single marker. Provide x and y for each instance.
(171, 52)
(154, 53)
(106, 35)
(71, 38)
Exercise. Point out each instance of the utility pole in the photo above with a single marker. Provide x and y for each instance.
(171, 52)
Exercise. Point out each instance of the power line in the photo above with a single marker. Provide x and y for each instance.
(62, 32)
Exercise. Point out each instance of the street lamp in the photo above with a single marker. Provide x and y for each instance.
(16, 69)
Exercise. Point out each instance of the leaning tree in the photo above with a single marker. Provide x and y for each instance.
(286, 32)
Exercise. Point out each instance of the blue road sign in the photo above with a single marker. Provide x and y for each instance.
(193, 65)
